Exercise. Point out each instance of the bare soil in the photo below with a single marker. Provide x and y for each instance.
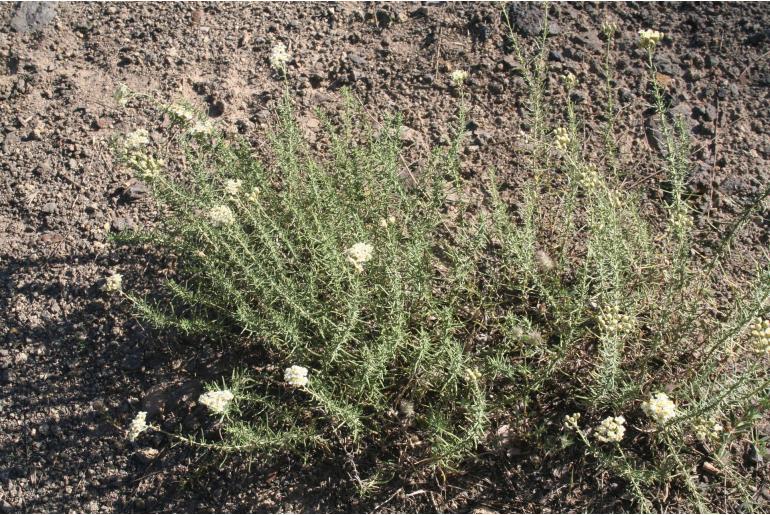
(75, 366)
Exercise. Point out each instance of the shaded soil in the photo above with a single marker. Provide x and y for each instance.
(75, 366)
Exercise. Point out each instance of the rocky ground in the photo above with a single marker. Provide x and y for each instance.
(75, 366)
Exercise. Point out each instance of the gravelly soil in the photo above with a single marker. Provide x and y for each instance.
(75, 366)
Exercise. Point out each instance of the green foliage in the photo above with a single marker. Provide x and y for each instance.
(470, 313)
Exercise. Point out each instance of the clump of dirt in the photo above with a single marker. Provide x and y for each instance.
(75, 366)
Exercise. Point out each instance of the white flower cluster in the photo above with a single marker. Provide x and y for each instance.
(569, 80)
(359, 254)
(217, 401)
(138, 425)
(611, 429)
(459, 77)
(113, 283)
(145, 165)
(561, 138)
(681, 220)
(384, 222)
(609, 28)
(572, 421)
(707, 429)
(221, 215)
(295, 375)
(136, 139)
(472, 375)
(588, 177)
(611, 321)
(182, 113)
(279, 57)
(660, 408)
(233, 186)
(649, 38)
(201, 127)
(760, 333)
(122, 94)
(254, 195)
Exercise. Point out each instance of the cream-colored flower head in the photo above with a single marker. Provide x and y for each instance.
(113, 283)
(221, 215)
(609, 28)
(707, 429)
(660, 408)
(385, 222)
(472, 375)
(138, 425)
(295, 375)
(648, 38)
(569, 79)
(561, 138)
(572, 421)
(681, 220)
(122, 94)
(588, 177)
(613, 322)
(136, 139)
(182, 113)
(254, 195)
(146, 166)
(760, 336)
(233, 186)
(459, 77)
(279, 57)
(359, 254)
(611, 429)
(217, 400)
(201, 127)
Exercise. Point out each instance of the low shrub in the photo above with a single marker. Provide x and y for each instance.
(394, 315)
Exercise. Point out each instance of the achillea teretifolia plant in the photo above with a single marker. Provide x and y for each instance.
(395, 318)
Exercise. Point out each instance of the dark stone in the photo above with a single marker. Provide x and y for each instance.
(6, 376)
(483, 32)
(482, 137)
(758, 37)
(496, 88)
(669, 68)
(707, 113)
(527, 19)
(722, 93)
(625, 95)
(384, 18)
(121, 224)
(590, 41)
(705, 129)
(135, 190)
(357, 60)
(33, 16)
(132, 362)
(510, 63)
(578, 96)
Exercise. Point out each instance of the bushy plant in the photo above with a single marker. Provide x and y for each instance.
(394, 315)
